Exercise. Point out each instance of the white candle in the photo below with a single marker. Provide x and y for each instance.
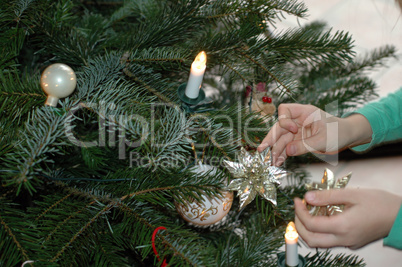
(291, 237)
(196, 75)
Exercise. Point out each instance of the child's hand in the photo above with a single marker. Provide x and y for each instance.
(368, 215)
(306, 128)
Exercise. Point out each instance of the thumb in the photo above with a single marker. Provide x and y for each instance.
(328, 197)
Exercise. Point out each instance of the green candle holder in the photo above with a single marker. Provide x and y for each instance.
(193, 105)
(282, 260)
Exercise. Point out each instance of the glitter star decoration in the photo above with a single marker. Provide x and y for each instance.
(327, 182)
(254, 174)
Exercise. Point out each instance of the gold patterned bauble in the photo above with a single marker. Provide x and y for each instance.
(208, 211)
(254, 174)
(327, 182)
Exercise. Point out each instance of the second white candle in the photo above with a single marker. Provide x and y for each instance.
(291, 237)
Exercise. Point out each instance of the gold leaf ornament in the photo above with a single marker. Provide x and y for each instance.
(327, 182)
(254, 174)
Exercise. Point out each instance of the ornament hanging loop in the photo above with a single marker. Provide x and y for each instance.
(164, 264)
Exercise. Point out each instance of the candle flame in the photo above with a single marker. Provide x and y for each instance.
(291, 233)
(200, 60)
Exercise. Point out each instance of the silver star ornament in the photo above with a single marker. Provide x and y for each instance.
(254, 174)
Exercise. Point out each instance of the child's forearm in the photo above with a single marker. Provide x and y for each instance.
(355, 130)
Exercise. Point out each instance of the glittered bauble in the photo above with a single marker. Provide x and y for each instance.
(58, 81)
(209, 210)
(328, 182)
(254, 174)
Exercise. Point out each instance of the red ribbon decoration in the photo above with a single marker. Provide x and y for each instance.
(164, 264)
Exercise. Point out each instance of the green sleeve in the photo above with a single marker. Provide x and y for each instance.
(385, 118)
(394, 239)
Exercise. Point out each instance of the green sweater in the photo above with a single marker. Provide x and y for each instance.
(385, 117)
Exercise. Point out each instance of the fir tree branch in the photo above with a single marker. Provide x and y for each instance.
(83, 229)
(160, 54)
(326, 259)
(8, 192)
(101, 3)
(235, 71)
(216, 144)
(215, 16)
(292, 7)
(52, 206)
(59, 225)
(147, 191)
(267, 71)
(370, 61)
(123, 207)
(80, 193)
(23, 94)
(40, 137)
(156, 59)
(18, 244)
(21, 6)
(149, 88)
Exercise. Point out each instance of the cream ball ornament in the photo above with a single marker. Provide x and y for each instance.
(58, 81)
(208, 211)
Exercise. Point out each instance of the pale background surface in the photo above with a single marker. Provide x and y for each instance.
(372, 23)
